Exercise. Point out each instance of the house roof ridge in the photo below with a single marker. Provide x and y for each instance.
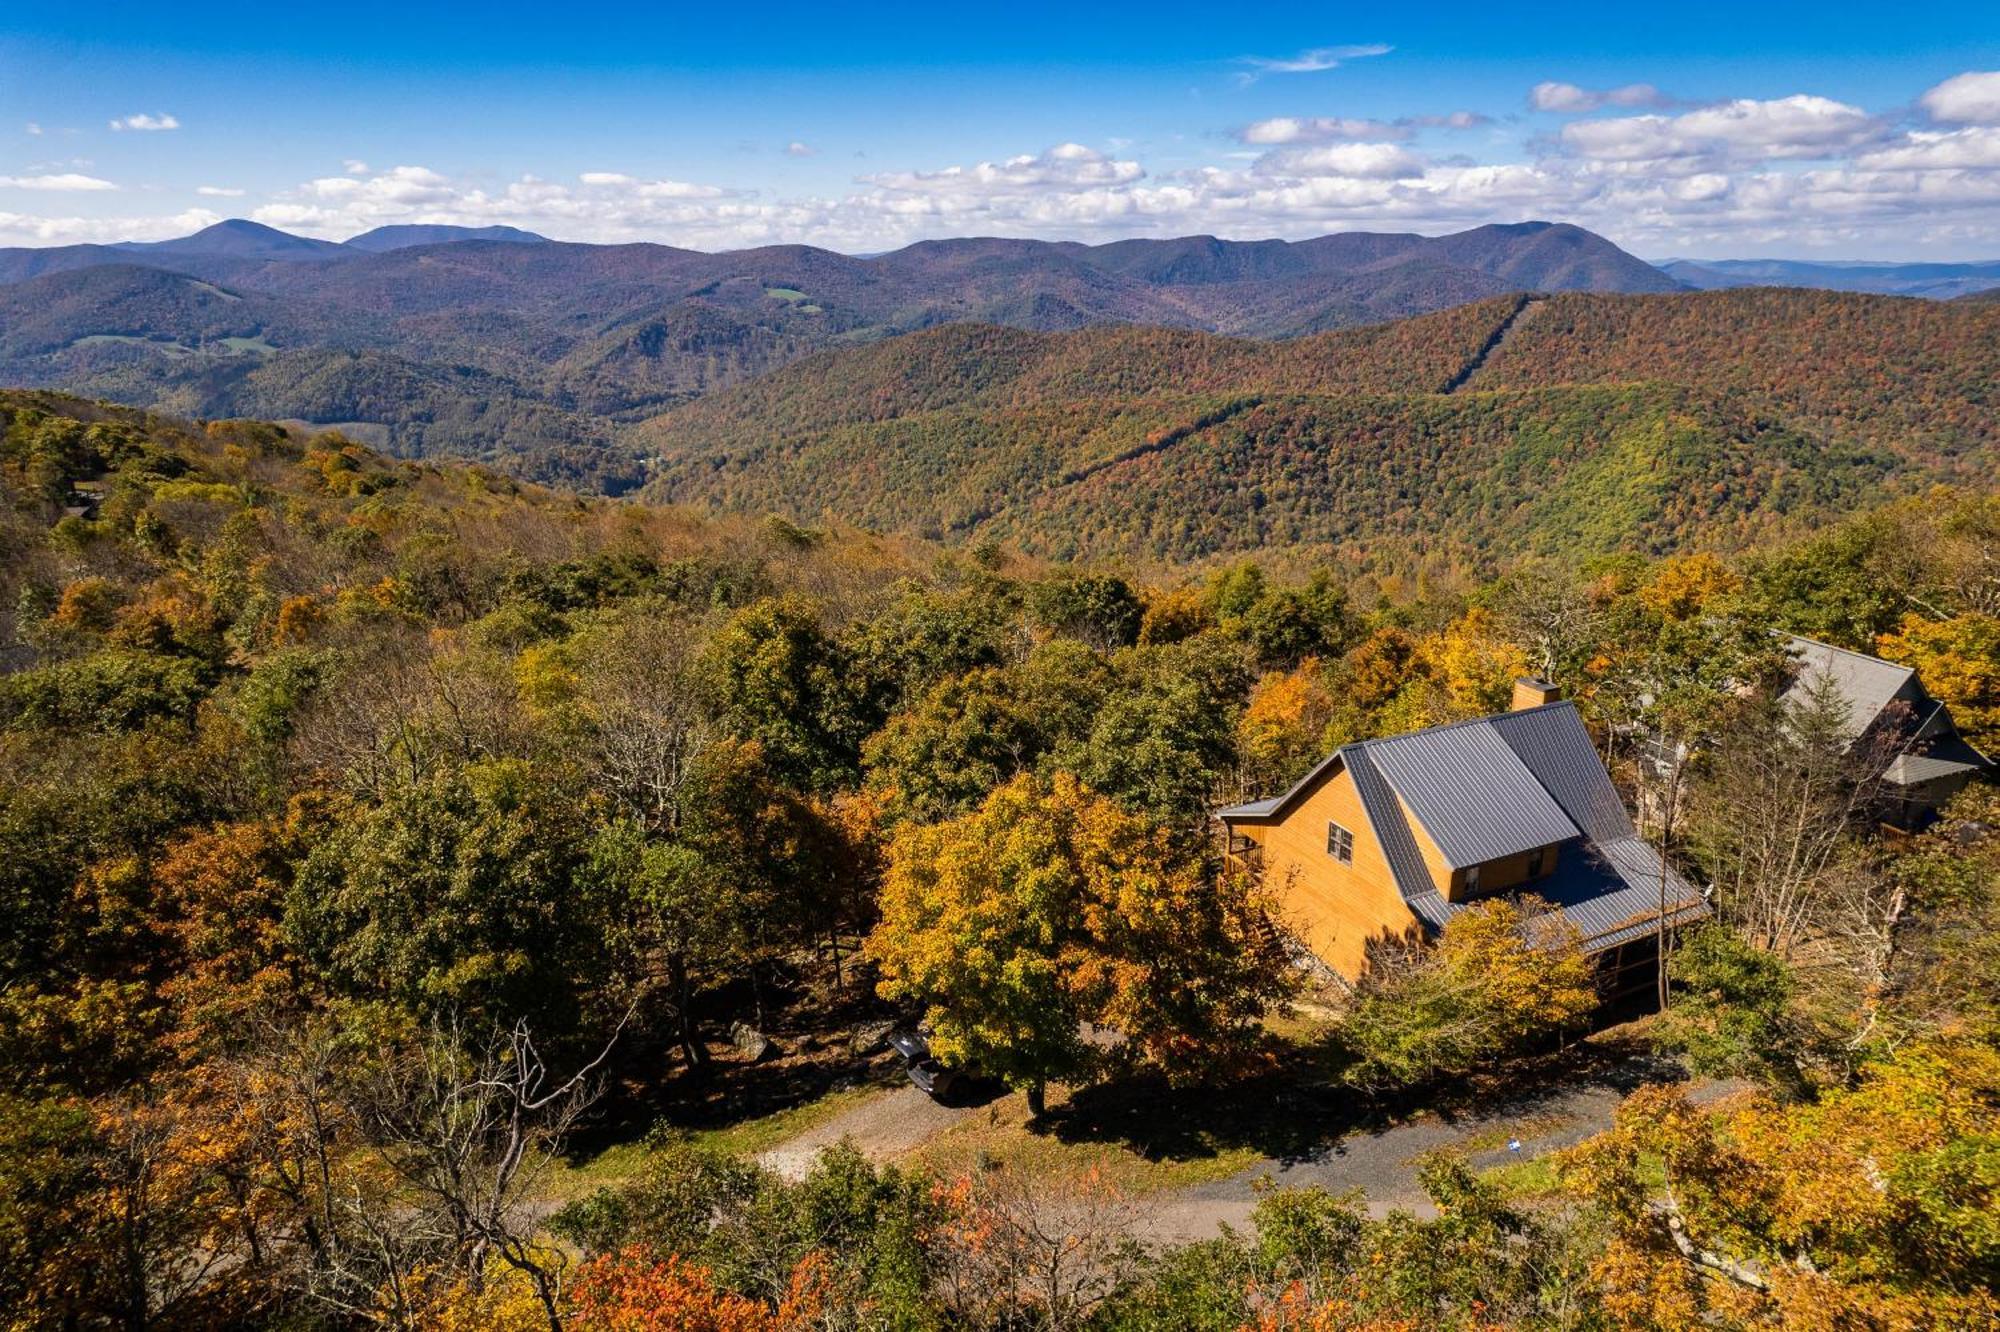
(1485, 719)
(1851, 652)
(1278, 802)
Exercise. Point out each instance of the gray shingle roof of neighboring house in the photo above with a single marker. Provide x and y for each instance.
(1497, 786)
(1931, 745)
(1869, 684)
(1916, 769)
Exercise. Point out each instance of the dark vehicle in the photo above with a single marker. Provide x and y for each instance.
(921, 1066)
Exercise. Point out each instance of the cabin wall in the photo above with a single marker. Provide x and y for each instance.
(1336, 909)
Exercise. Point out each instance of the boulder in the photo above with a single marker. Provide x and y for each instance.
(871, 1036)
(754, 1044)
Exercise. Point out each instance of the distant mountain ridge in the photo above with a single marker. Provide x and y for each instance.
(1930, 280)
(580, 339)
(402, 237)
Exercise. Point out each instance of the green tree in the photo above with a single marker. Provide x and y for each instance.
(469, 891)
(780, 680)
(1502, 976)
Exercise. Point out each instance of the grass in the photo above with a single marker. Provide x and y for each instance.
(1524, 1180)
(171, 350)
(789, 295)
(747, 1138)
(753, 1136)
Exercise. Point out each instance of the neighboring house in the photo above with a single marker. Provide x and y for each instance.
(1387, 839)
(1927, 761)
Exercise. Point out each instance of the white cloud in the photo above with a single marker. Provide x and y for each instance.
(34, 129)
(218, 192)
(649, 189)
(354, 166)
(1972, 98)
(142, 121)
(23, 229)
(1311, 61)
(1796, 173)
(1357, 161)
(1568, 99)
(798, 149)
(1317, 129)
(1067, 166)
(1743, 129)
(1458, 120)
(66, 181)
(1975, 148)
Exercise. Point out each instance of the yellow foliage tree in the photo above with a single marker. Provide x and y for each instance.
(1959, 661)
(1051, 907)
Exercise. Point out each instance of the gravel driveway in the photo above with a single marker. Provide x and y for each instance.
(1381, 1165)
(884, 1126)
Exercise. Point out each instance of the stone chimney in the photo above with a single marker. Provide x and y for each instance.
(1532, 692)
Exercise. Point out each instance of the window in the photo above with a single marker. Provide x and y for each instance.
(1535, 862)
(1340, 843)
(1472, 879)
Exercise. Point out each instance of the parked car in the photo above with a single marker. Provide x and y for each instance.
(921, 1066)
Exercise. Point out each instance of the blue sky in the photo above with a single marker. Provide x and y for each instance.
(1749, 129)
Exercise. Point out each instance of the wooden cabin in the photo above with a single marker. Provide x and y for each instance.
(1388, 839)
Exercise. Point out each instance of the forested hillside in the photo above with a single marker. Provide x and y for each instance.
(551, 346)
(427, 895)
(1573, 423)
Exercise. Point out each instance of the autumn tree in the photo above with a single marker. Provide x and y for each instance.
(1050, 908)
(1959, 662)
(1868, 1207)
(1502, 976)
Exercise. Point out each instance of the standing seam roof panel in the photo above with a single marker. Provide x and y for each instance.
(1553, 745)
(1385, 816)
(1471, 793)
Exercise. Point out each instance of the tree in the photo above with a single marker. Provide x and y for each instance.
(1774, 818)
(1959, 662)
(470, 891)
(1101, 611)
(1733, 1017)
(1869, 1207)
(1502, 976)
(779, 679)
(634, 1291)
(1049, 908)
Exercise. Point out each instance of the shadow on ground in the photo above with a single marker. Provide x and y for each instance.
(1297, 1110)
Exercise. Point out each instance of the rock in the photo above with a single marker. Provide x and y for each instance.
(871, 1036)
(754, 1044)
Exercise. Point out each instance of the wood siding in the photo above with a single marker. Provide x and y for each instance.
(1336, 909)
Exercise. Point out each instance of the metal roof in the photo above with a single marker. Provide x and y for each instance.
(1471, 792)
(1255, 809)
(1610, 893)
(1914, 769)
(1552, 744)
(1480, 783)
(1392, 830)
(1868, 684)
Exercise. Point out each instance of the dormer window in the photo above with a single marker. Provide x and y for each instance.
(1536, 860)
(1472, 879)
(1340, 843)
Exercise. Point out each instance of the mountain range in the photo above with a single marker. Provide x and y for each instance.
(1385, 397)
(536, 353)
(1571, 424)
